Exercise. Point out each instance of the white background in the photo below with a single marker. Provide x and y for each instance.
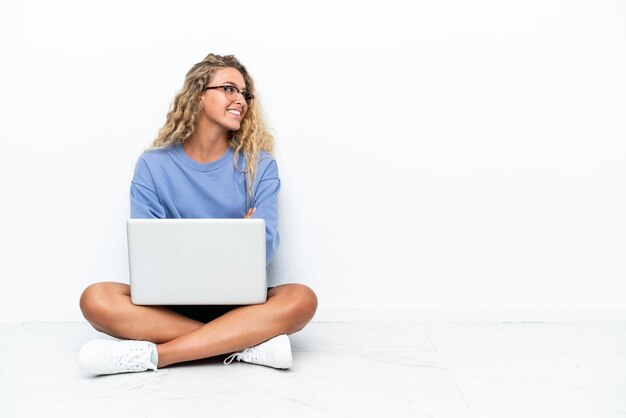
(445, 154)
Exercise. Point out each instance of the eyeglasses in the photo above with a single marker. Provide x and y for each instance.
(232, 93)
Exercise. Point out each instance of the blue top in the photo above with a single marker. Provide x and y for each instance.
(169, 184)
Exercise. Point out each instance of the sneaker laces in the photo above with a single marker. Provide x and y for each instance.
(249, 355)
(134, 359)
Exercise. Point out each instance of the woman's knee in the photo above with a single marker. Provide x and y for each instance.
(308, 301)
(302, 304)
(97, 299)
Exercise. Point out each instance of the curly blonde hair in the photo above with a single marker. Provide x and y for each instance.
(252, 136)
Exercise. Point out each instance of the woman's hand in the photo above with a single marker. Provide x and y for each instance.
(250, 213)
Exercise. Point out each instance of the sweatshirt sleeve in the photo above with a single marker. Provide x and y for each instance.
(144, 200)
(266, 203)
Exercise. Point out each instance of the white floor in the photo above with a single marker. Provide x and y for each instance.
(500, 370)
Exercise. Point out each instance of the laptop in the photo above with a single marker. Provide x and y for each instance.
(197, 261)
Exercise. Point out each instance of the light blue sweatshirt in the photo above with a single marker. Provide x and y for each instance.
(169, 184)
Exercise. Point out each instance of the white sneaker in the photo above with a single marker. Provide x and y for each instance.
(110, 356)
(275, 353)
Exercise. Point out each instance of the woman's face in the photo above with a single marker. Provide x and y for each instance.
(220, 110)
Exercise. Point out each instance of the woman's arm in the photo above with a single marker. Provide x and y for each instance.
(144, 200)
(266, 206)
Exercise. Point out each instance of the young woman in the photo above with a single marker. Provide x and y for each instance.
(211, 159)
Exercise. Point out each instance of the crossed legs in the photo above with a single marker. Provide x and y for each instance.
(108, 309)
